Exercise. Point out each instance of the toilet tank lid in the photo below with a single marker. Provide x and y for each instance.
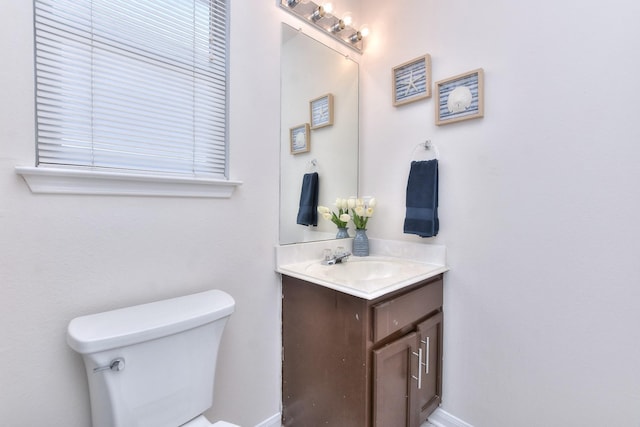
(131, 325)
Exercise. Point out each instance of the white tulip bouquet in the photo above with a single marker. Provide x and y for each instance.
(361, 211)
(341, 218)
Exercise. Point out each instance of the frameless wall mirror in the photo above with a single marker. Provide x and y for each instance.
(309, 72)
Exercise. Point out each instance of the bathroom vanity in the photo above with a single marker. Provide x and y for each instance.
(356, 358)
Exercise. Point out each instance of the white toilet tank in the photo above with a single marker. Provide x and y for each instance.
(152, 364)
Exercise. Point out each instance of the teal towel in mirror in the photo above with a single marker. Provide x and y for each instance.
(308, 211)
(422, 199)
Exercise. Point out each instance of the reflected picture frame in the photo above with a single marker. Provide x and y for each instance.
(411, 81)
(321, 111)
(300, 139)
(460, 97)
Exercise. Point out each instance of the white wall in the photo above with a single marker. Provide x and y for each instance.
(538, 207)
(539, 200)
(64, 256)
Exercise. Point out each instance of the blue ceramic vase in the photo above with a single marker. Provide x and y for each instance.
(361, 243)
(342, 233)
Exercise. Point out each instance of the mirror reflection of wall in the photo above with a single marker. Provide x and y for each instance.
(310, 70)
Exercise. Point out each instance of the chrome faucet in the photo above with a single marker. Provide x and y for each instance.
(338, 257)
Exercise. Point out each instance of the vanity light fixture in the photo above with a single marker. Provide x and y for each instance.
(321, 16)
(338, 26)
(359, 35)
(318, 13)
(355, 37)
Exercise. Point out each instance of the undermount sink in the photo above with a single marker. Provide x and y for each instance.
(366, 277)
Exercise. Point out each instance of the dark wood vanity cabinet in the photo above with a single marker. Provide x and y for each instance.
(352, 362)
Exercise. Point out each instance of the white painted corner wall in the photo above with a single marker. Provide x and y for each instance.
(538, 200)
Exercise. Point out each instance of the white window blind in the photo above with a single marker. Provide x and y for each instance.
(136, 85)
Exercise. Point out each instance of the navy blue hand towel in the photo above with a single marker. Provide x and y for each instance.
(422, 199)
(308, 212)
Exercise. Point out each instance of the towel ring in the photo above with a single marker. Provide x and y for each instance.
(312, 166)
(427, 147)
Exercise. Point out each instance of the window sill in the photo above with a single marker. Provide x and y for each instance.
(71, 181)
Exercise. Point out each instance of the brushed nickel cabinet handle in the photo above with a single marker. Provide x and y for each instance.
(426, 349)
(419, 377)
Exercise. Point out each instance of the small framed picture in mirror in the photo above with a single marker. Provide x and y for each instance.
(321, 110)
(412, 80)
(300, 139)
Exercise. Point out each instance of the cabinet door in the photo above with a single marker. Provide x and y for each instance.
(394, 396)
(325, 363)
(430, 341)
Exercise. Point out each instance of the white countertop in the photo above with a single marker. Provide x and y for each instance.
(392, 265)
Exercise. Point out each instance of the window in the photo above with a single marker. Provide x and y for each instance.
(132, 86)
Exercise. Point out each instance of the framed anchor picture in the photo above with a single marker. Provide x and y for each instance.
(412, 81)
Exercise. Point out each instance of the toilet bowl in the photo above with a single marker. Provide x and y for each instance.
(153, 364)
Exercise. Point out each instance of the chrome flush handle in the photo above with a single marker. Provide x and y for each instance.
(115, 365)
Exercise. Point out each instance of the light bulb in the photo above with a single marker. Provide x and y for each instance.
(347, 19)
(364, 31)
(338, 26)
(328, 7)
(319, 13)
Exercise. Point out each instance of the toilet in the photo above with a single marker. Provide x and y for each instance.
(153, 365)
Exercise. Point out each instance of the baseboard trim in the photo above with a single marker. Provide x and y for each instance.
(442, 418)
(272, 421)
(439, 418)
